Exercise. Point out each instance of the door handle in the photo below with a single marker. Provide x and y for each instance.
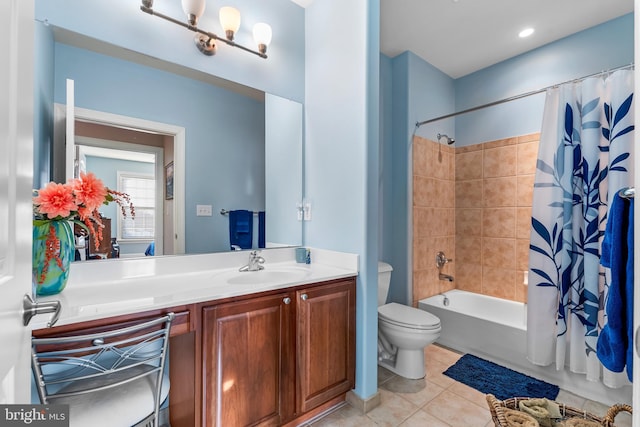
(31, 308)
(635, 338)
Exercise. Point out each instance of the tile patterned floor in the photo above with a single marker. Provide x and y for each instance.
(436, 401)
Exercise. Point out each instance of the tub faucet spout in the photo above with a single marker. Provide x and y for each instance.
(445, 299)
(446, 277)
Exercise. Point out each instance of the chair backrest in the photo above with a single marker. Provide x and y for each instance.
(73, 365)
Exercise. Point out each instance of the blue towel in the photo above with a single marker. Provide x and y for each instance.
(615, 343)
(241, 228)
(261, 229)
(151, 249)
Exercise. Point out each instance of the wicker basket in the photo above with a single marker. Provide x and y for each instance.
(497, 411)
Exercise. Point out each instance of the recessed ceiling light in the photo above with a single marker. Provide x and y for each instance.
(526, 32)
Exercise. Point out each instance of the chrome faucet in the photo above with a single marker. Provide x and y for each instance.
(236, 248)
(446, 277)
(441, 261)
(445, 299)
(255, 262)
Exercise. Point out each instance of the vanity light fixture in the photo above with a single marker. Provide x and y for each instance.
(229, 19)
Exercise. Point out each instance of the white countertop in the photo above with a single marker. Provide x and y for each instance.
(105, 288)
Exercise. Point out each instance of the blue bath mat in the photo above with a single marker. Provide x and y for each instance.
(488, 377)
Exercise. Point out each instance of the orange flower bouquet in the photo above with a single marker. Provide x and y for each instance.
(55, 207)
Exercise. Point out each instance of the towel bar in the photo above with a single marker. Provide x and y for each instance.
(226, 212)
(627, 193)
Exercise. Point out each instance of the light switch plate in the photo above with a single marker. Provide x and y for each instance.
(307, 210)
(203, 210)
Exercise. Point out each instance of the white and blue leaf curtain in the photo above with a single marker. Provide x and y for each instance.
(585, 156)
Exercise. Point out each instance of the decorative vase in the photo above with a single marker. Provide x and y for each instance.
(53, 251)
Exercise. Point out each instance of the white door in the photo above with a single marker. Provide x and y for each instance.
(16, 176)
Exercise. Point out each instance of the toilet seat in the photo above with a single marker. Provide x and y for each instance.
(408, 317)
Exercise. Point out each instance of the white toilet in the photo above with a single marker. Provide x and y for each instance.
(403, 331)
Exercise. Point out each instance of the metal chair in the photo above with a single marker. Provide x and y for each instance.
(113, 378)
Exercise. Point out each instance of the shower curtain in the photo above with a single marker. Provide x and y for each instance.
(585, 156)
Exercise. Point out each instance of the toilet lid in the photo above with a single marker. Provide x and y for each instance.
(403, 315)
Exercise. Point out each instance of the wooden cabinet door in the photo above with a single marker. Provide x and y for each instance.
(326, 343)
(248, 369)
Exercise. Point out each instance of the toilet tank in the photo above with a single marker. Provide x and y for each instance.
(384, 280)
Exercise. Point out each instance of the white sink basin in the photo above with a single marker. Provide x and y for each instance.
(267, 276)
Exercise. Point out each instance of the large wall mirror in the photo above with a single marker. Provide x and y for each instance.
(241, 149)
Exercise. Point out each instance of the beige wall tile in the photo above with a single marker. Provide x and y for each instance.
(469, 148)
(449, 197)
(468, 222)
(469, 193)
(422, 221)
(441, 224)
(523, 222)
(527, 157)
(452, 166)
(421, 252)
(468, 250)
(468, 165)
(425, 284)
(424, 191)
(473, 203)
(469, 277)
(499, 192)
(440, 163)
(525, 190)
(522, 254)
(500, 143)
(443, 193)
(499, 222)
(499, 282)
(500, 161)
(499, 253)
(521, 289)
(529, 138)
(421, 156)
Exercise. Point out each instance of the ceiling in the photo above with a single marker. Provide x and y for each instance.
(462, 36)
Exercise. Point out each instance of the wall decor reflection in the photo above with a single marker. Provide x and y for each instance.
(168, 181)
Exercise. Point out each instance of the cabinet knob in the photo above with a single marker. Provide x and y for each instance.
(287, 300)
(304, 297)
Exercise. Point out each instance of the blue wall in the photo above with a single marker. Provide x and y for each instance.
(341, 119)
(224, 132)
(421, 92)
(596, 49)
(418, 88)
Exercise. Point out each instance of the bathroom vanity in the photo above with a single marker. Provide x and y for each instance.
(273, 347)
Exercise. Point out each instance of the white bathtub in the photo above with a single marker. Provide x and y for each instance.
(496, 329)
(483, 325)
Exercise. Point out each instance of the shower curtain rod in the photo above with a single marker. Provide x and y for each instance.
(522, 95)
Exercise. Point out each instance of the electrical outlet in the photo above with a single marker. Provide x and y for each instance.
(203, 210)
